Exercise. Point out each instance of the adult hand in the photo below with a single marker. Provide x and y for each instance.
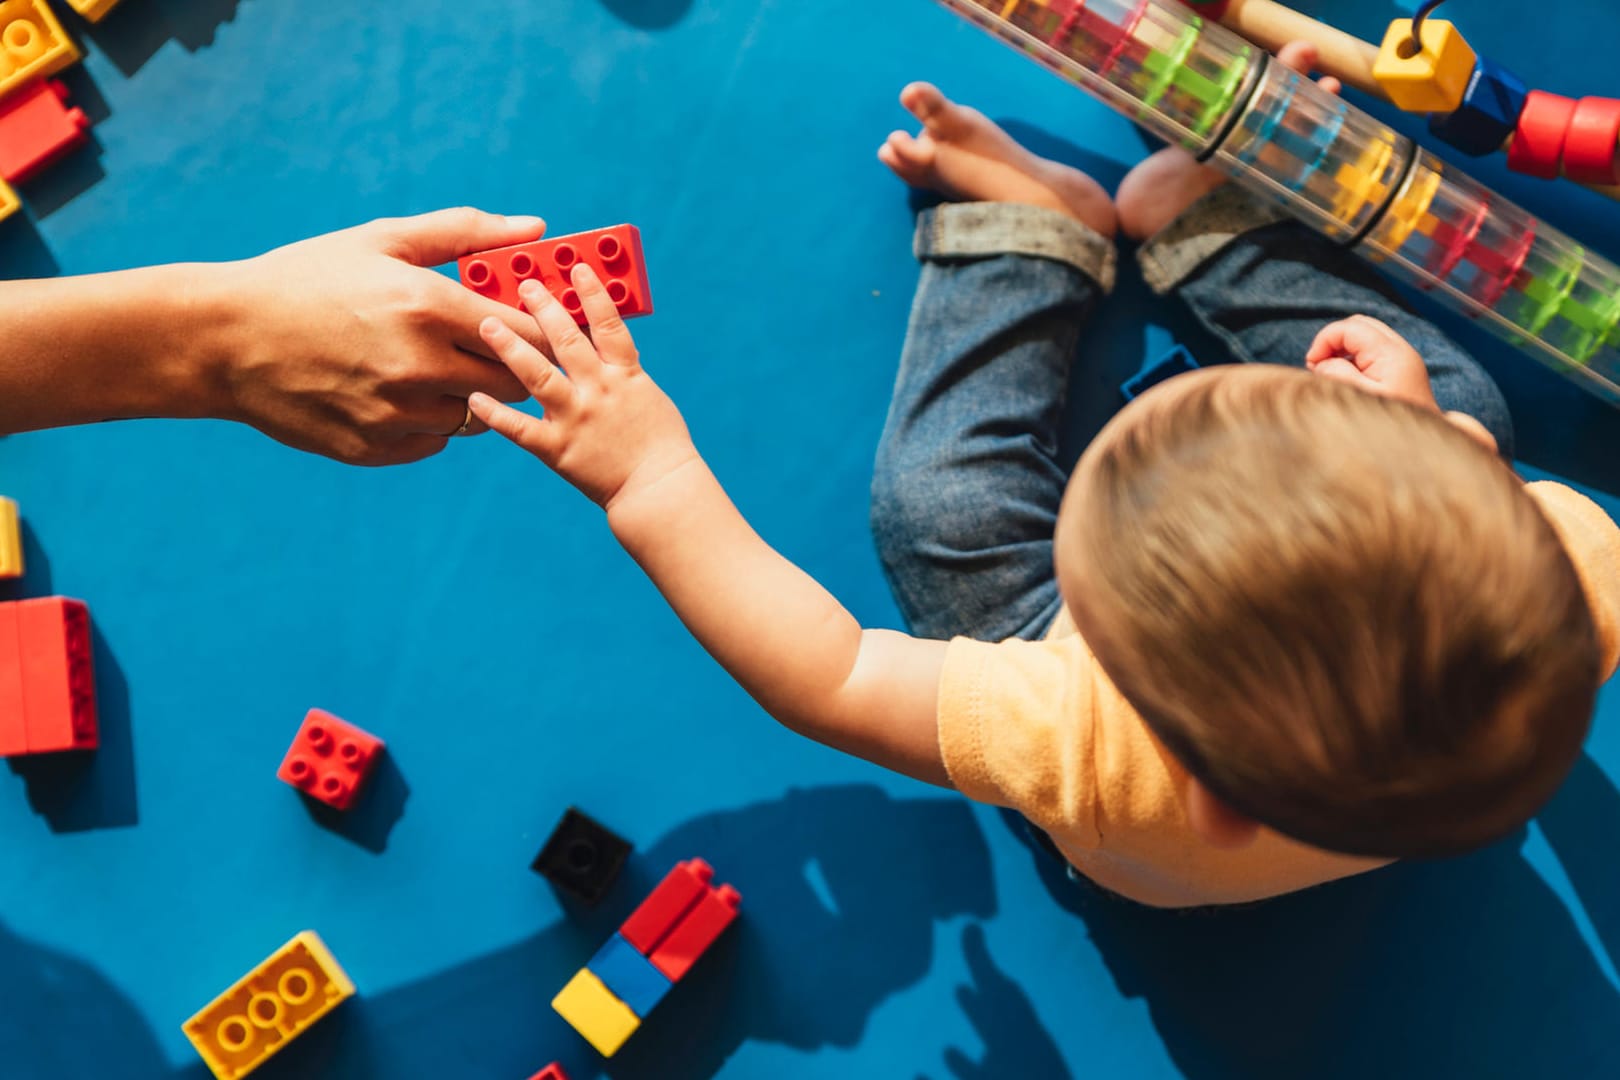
(348, 346)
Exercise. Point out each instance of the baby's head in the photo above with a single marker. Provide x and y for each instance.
(1341, 613)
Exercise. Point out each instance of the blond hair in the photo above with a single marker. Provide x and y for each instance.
(1344, 616)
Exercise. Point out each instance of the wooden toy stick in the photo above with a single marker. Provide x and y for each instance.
(1272, 25)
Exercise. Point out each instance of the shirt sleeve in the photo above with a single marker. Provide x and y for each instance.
(1017, 728)
(1593, 542)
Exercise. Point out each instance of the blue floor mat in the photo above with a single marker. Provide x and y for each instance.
(476, 614)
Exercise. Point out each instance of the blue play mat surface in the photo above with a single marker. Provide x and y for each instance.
(476, 614)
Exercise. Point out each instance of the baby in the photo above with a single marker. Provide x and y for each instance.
(1286, 621)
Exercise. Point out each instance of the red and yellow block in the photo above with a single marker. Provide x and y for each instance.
(269, 1007)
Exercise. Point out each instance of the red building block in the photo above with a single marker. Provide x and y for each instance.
(690, 939)
(550, 1072)
(667, 905)
(13, 725)
(58, 678)
(615, 255)
(36, 128)
(1538, 142)
(330, 759)
(1591, 143)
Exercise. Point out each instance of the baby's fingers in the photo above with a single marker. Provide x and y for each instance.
(608, 331)
(573, 350)
(535, 436)
(539, 375)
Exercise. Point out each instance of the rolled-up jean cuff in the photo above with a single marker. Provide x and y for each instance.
(980, 230)
(1200, 232)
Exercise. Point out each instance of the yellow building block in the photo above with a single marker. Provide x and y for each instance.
(595, 1013)
(268, 1007)
(1432, 79)
(11, 553)
(93, 10)
(32, 43)
(9, 203)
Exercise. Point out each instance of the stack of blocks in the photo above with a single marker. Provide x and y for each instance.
(657, 945)
(615, 255)
(36, 125)
(269, 1007)
(47, 677)
(330, 759)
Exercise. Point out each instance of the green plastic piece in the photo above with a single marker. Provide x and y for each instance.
(1551, 295)
(1230, 84)
(1605, 322)
(1169, 64)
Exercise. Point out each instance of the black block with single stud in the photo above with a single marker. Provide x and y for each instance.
(582, 858)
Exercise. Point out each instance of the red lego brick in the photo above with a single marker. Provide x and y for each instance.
(58, 679)
(694, 934)
(1590, 144)
(1538, 141)
(13, 726)
(666, 905)
(550, 1072)
(36, 128)
(330, 759)
(615, 255)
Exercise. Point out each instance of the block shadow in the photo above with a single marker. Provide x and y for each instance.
(133, 32)
(1465, 967)
(649, 14)
(372, 818)
(23, 253)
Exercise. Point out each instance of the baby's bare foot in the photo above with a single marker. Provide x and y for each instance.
(962, 154)
(1154, 194)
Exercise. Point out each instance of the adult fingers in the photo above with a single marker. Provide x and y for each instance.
(443, 235)
(533, 434)
(608, 332)
(572, 349)
(540, 376)
(445, 416)
(462, 311)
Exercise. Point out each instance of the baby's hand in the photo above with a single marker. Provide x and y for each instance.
(1364, 352)
(608, 429)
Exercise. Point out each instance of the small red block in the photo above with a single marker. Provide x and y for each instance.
(36, 128)
(615, 255)
(58, 677)
(1593, 143)
(666, 905)
(695, 933)
(550, 1072)
(330, 759)
(1538, 141)
(13, 725)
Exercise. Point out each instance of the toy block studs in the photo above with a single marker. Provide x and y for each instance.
(1538, 141)
(36, 128)
(32, 44)
(11, 549)
(1427, 77)
(330, 759)
(582, 857)
(592, 1010)
(714, 911)
(268, 1007)
(615, 254)
(1591, 142)
(47, 677)
(667, 905)
(1488, 114)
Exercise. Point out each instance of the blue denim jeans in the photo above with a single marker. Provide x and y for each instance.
(967, 483)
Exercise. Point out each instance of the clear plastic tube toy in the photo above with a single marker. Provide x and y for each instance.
(1339, 170)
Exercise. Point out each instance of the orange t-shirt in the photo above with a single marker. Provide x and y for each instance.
(1037, 726)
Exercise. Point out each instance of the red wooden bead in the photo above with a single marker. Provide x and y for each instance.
(1538, 142)
(1592, 147)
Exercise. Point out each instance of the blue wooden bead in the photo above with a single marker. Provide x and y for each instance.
(1489, 112)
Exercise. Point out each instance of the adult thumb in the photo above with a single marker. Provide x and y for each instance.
(443, 235)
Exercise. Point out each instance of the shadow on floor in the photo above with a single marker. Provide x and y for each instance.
(133, 32)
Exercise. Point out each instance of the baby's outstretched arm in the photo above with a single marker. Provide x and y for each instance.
(611, 432)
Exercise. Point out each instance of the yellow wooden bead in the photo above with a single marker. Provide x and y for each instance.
(1429, 80)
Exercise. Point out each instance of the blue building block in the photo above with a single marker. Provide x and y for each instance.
(1175, 362)
(1489, 113)
(630, 976)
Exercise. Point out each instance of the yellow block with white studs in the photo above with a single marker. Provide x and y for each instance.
(1433, 79)
(11, 553)
(32, 44)
(269, 1007)
(595, 1012)
(92, 10)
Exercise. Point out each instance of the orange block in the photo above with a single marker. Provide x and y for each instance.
(13, 726)
(58, 681)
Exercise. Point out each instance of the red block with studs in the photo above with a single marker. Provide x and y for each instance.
(1591, 142)
(330, 759)
(693, 935)
(615, 255)
(36, 128)
(667, 905)
(13, 721)
(52, 667)
(1538, 142)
